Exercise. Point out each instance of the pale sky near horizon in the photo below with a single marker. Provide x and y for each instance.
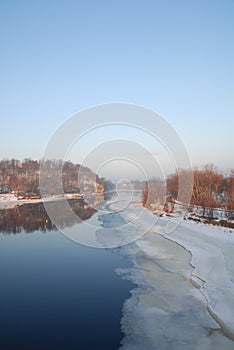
(174, 57)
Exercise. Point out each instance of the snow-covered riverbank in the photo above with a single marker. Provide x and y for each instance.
(184, 297)
(166, 311)
(212, 257)
(9, 200)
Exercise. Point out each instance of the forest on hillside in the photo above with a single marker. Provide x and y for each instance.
(22, 177)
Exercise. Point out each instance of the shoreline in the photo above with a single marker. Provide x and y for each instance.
(165, 301)
(200, 276)
(11, 203)
(194, 218)
(207, 272)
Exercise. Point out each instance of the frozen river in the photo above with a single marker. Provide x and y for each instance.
(184, 297)
(69, 296)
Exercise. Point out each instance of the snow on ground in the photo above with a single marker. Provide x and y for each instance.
(10, 200)
(213, 260)
(184, 273)
(7, 197)
(166, 311)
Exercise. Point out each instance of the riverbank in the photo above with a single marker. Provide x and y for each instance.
(185, 276)
(10, 200)
(166, 311)
(184, 273)
(211, 250)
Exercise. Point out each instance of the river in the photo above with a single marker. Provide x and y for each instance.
(136, 294)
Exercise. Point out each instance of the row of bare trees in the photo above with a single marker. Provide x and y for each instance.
(23, 176)
(209, 189)
(18, 175)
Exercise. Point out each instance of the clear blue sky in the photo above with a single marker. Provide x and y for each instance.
(175, 57)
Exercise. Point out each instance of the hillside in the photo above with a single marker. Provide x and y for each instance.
(22, 178)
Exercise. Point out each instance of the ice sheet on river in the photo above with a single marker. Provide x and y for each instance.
(212, 251)
(166, 311)
(184, 298)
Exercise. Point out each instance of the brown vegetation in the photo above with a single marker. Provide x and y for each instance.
(23, 177)
(211, 189)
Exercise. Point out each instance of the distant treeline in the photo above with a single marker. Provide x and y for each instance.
(210, 189)
(23, 177)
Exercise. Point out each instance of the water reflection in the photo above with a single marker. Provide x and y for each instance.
(33, 217)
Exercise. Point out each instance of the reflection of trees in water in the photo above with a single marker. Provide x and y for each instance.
(33, 217)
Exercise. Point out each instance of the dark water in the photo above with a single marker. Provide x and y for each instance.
(56, 294)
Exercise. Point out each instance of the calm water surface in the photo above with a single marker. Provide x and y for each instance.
(57, 294)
